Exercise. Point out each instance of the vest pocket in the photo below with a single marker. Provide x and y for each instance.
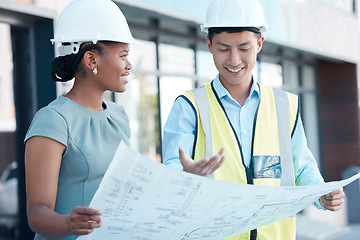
(266, 166)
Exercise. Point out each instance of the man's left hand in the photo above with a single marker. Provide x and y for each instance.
(333, 201)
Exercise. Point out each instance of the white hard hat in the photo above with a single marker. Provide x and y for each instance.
(90, 20)
(234, 13)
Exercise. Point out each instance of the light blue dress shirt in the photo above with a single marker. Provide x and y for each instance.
(179, 130)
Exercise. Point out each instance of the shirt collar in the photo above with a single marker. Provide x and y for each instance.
(222, 92)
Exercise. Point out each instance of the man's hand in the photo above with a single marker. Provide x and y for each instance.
(203, 167)
(333, 201)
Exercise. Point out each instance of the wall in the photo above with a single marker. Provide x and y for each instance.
(314, 26)
(339, 118)
(7, 149)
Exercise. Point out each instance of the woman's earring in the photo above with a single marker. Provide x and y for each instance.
(94, 71)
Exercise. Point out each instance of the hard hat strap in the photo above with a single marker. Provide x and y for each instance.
(69, 48)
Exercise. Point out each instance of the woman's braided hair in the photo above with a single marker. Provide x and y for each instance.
(63, 68)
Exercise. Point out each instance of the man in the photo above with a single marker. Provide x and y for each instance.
(241, 121)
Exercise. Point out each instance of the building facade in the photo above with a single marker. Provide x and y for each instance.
(312, 48)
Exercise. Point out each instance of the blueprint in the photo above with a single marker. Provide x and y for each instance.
(144, 200)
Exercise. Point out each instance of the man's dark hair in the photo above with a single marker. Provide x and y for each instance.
(217, 30)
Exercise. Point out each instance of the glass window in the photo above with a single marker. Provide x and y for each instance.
(140, 101)
(291, 76)
(271, 74)
(309, 109)
(176, 60)
(170, 89)
(7, 106)
(177, 73)
(206, 69)
(143, 56)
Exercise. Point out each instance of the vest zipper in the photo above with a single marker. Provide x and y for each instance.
(253, 233)
(248, 170)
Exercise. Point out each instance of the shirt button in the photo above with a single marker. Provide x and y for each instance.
(244, 131)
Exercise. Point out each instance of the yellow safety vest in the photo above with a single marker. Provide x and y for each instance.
(265, 167)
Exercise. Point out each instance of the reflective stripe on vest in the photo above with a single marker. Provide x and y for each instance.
(287, 164)
(203, 106)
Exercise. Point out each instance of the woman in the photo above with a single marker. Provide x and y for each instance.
(71, 142)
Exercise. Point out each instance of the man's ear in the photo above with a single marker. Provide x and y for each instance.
(260, 43)
(209, 45)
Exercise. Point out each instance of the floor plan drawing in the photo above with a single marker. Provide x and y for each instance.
(144, 200)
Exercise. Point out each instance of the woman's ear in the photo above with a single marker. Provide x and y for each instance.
(90, 60)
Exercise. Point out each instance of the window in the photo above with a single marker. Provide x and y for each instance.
(271, 74)
(206, 69)
(140, 100)
(177, 70)
(7, 106)
(176, 60)
(170, 88)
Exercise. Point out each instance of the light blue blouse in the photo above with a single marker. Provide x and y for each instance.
(91, 139)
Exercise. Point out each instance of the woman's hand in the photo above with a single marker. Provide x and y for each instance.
(83, 220)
